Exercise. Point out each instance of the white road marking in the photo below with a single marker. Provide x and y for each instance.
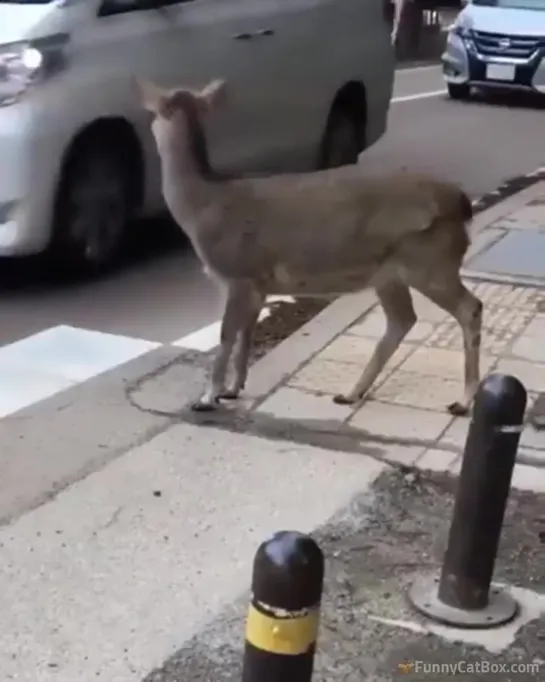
(203, 339)
(415, 69)
(46, 363)
(418, 95)
(207, 338)
(40, 366)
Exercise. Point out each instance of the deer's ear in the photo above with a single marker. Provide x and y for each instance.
(212, 96)
(151, 96)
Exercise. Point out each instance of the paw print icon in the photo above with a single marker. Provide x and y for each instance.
(405, 667)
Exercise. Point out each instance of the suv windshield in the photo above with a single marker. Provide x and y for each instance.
(512, 4)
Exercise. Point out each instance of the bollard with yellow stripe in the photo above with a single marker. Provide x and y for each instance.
(283, 617)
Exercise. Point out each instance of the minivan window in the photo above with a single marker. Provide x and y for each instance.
(512, 4)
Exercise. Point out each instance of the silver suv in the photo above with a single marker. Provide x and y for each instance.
(496, 44)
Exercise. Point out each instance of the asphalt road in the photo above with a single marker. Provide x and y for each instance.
(168, 297)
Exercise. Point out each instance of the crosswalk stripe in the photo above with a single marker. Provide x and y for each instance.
(208, 337)
(58, 358)
(44, 364)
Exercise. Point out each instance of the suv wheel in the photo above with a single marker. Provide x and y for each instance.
(458, 90)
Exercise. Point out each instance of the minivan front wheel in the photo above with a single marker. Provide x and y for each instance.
(344, 138)
(92, 212)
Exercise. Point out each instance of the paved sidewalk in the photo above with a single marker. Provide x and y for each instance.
(510, 247)
(407, 407)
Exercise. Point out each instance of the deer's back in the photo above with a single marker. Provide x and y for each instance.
(329, 230)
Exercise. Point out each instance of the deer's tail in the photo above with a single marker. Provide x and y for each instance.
(454, 211)
(464, 214)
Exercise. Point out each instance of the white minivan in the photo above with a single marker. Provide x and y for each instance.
(310, 83)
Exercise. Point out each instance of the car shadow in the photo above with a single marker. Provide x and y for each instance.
(510, 100)
(147, 240)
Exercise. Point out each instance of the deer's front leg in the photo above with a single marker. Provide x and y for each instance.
(236, 318)
(254, 302)
(228, 337)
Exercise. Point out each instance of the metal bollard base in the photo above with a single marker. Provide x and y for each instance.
(501, 609)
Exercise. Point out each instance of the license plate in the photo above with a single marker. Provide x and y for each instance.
(500, 72)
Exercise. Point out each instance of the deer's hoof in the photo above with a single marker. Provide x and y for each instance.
(229, 395)
(457, 409)
(340, 399)
(204, 406)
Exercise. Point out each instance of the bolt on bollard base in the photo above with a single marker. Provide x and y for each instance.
(462, 595)
(283, 617)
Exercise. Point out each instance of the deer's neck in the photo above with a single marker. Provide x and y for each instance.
(186, 190)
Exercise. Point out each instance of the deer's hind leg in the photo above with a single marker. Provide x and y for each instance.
(396, 301)
(448, 292)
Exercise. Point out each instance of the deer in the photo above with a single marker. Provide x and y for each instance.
(321, 234)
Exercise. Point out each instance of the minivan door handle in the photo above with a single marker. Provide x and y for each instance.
(257, 34)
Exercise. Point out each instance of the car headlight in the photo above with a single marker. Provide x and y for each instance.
(20, 67)
(461, 31)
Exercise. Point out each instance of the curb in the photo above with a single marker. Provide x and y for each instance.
(270, 371)
(284, 359)
(507, 189)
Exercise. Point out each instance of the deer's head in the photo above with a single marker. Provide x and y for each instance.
(177, 117)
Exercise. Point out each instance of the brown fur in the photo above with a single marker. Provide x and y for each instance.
(314, 234)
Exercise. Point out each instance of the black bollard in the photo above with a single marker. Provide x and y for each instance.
(282, 624)
(461, 596)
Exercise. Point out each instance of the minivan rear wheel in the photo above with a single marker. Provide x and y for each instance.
(93, 207)
(343, 139)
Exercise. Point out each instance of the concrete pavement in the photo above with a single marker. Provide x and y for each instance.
(109, 578)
